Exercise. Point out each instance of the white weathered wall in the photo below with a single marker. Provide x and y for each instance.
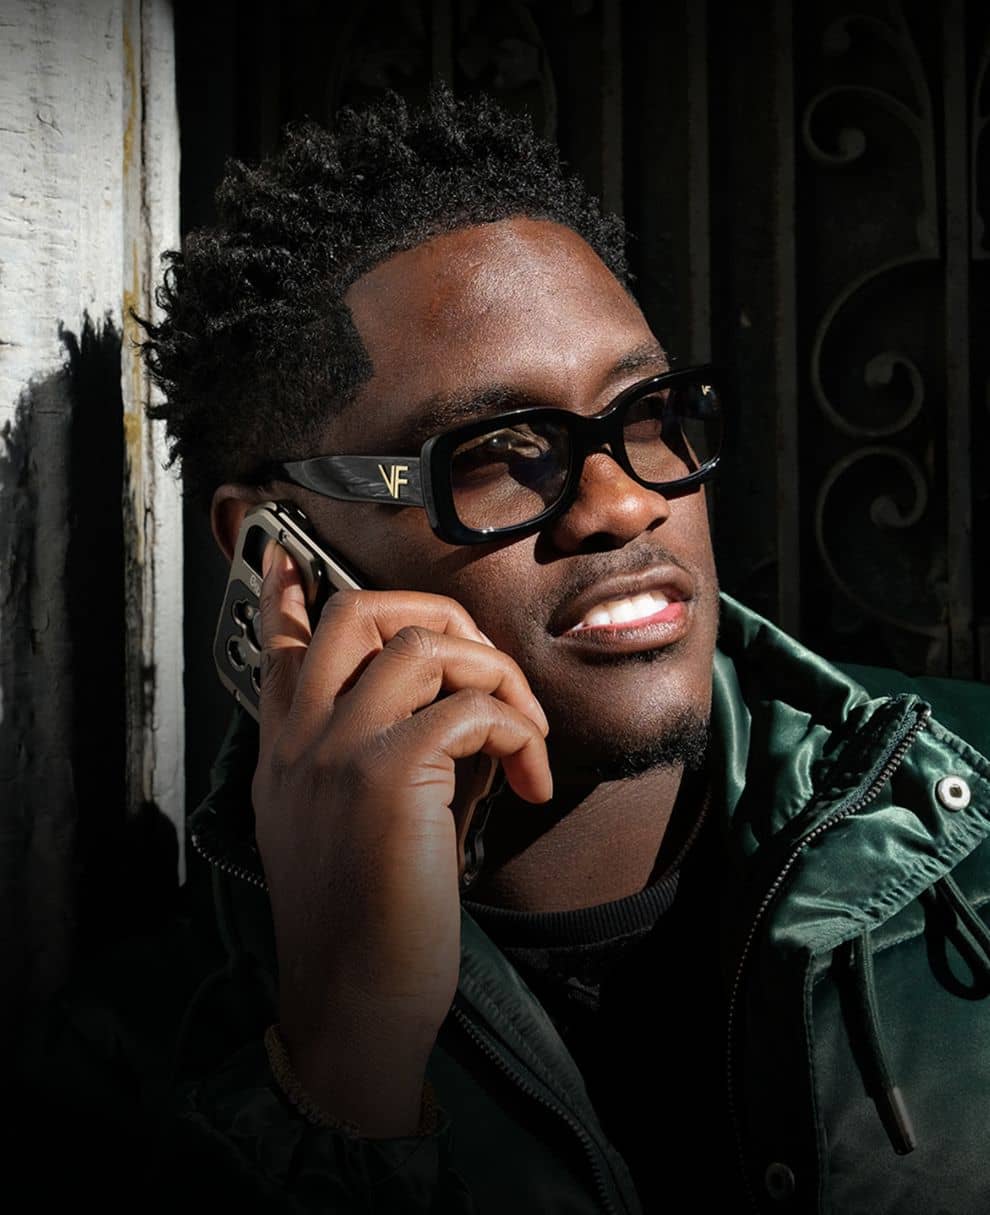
(150, 215)
(88, 198)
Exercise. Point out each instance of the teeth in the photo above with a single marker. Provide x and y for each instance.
(625, 609)
(622, 611)
(595, 616)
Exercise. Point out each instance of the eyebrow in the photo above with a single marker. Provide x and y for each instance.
(441, 412)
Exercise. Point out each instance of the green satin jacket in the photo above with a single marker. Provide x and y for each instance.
(853, 950)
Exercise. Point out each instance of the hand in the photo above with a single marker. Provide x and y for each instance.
(352, 798)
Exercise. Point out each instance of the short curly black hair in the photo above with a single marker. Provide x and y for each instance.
(256, 348)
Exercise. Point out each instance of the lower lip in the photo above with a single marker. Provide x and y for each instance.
(663, 628)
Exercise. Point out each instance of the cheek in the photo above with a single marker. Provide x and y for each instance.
(690, 513)
(493, 586)
(478, 580)
(395, 550)
(380, 544)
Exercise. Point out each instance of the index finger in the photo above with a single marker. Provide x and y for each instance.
(285, 637)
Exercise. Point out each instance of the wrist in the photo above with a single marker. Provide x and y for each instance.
(351, 1087)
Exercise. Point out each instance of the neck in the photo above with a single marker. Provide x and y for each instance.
(586, 847)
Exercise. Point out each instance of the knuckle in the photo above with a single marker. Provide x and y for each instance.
(347, 602)
(272, 666)
(512, 668)
(475, 703)
(415, 641)
(352, 776)
(268, 594)
(457, 611)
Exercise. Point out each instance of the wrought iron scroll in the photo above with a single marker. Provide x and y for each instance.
(895, 389)
(885, 512)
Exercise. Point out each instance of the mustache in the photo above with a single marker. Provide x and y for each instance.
(596, 567)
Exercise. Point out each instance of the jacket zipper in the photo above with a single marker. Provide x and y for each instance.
(237, 871)
(584, 1138)
(893, 762)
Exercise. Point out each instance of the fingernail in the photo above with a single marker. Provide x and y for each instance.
(486, 639)
(543, 719)
(267, 557)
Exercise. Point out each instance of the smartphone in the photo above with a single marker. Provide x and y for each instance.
(237, 642)
(237, 649)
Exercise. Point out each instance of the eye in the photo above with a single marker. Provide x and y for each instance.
(645, 419)
(519, 443)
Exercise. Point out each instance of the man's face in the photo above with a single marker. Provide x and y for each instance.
(523, 312)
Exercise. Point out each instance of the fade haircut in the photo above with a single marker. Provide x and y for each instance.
(256, 349)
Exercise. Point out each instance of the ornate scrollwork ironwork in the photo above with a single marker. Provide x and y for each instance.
(852, 144)
(879, 371)
(852, 141)
(893, 381)
(885, 513)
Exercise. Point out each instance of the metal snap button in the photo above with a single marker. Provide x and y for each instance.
(779, 1181)
(953, 792)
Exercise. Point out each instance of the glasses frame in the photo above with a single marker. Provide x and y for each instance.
(425, 480)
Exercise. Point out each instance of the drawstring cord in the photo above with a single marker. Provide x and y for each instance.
(971, 936)
(966, 930)
(880, 1082)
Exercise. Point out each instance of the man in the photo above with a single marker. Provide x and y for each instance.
(713, 948)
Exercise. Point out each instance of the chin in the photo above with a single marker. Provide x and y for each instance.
(636, 712)
(680, 740)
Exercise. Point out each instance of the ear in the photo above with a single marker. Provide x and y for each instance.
(230, 504)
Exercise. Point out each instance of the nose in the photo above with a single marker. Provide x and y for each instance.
(610, 509)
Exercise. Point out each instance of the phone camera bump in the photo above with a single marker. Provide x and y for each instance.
(243, 612)
(247, 617)
(236, 654)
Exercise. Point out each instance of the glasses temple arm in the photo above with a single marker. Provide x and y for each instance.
(393, 480)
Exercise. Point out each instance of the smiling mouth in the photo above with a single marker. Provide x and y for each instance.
(630, 612)
(627, 613)
(648, 621)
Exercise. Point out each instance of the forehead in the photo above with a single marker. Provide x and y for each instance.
(522, 304)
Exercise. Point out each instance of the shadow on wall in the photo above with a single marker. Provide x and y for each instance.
(78, 870)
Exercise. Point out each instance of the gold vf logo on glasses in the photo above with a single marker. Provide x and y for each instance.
(394, 477)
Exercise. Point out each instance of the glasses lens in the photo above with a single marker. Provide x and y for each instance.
(510, 475)
(673, 431)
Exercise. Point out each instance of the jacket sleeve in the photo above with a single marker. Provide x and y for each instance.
(238, 1140)
(100, 1121)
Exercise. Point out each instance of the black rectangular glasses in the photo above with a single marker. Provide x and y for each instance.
(514, 472)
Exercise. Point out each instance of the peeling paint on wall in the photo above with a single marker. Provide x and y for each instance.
(91, 736)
